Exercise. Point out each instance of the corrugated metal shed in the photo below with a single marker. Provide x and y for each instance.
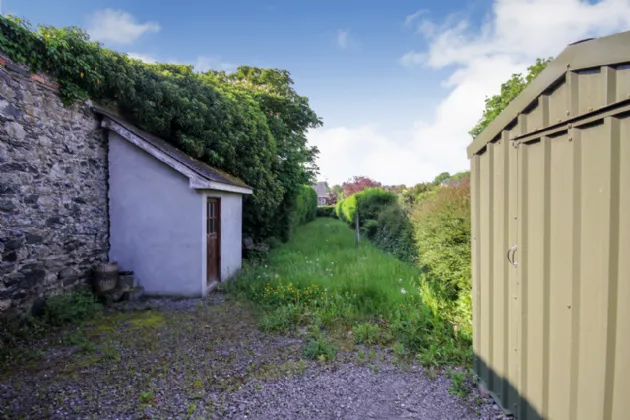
(550, 185)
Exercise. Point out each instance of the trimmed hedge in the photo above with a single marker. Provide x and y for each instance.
(395, 234)
(306, 206)
(326, 211)
(369, 203)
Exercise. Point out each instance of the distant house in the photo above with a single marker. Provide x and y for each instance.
(322, 193)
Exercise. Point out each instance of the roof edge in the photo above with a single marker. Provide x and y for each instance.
(603, 51)
(196, 181)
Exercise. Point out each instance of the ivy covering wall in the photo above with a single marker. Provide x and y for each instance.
(250, 123)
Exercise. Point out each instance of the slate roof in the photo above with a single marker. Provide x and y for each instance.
(321, 189)
(203, 170)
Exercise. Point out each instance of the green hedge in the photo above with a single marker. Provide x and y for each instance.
(369, 203)
(306, 208)
(339, 210)
(326, 211)
(395, 234)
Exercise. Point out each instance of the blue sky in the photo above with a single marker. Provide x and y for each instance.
(397, 83)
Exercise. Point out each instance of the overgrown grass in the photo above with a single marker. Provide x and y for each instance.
(321, 279)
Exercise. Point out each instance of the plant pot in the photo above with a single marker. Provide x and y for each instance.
(106, 277)
(125, 280)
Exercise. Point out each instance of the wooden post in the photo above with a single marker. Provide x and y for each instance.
(356, 229)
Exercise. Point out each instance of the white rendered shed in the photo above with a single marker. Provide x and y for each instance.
(174, 221)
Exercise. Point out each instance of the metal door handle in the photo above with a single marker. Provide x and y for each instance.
(512, 250)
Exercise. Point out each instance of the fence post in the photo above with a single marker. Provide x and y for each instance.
(356, 229)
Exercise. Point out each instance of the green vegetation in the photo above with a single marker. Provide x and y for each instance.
(326, 211)
(306, 207)
(509, 90)
(66, 308)
(322, 280)
(251, 123)
(69, 308)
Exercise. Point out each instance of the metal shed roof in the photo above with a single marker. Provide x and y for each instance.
(608, 50)
(202, 170)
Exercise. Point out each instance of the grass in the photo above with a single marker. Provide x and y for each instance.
(321, 279)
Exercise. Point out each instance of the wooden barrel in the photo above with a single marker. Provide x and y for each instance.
(106, 277)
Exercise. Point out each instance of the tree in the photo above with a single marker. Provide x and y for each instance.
(509, 90)
(441, 177)
(336, 194)
(357, 184)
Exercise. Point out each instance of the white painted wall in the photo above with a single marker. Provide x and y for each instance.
(157, 223)
(231, 232)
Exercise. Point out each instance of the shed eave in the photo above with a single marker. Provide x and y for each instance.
(604, 51)
(197, 183)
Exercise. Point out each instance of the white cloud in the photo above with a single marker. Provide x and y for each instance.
(145, 58)
(343, 39)
(512, 36)
(414, 16)
(117, 26)
(346, 152)
(413, 58)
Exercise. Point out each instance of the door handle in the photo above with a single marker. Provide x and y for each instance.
(512, 251)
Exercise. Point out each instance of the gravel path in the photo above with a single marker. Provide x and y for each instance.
(207, 359)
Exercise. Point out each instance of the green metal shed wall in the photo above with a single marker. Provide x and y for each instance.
(551, 335)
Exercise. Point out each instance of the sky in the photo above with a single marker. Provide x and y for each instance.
(398, 84)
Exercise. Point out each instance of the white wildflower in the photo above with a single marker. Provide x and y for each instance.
(399, 280)
(403, 291)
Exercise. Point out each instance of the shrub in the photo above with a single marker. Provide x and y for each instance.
(339, 210)
(369, 203)
(306, 207)
(395, 233)
(370, 227)
(442, 232)
(326, 211)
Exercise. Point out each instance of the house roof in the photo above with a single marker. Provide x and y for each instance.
(584, 54)
(320, 188)
(201, 175)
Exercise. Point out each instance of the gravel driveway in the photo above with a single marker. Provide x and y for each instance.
(207, 359)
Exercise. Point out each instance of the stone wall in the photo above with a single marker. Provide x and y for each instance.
(53, 190)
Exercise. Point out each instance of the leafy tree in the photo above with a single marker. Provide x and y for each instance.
(441, 177)
(509, 90)
(357, 184)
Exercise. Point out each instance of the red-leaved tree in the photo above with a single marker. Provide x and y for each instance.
(358, 184)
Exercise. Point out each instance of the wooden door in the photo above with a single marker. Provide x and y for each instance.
(213, 235)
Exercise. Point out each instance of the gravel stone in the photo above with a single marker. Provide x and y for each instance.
(206, 358)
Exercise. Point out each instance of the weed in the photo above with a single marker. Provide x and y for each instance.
(318, 346)
(146, 397)
(400, 350)
(280, 320)
(461, 383)
(361, 356)
(76, 306)
(366, 333)
(79, 339)
(190, 409)
(110, 352)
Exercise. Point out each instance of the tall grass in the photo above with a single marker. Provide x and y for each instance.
(321, 278)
